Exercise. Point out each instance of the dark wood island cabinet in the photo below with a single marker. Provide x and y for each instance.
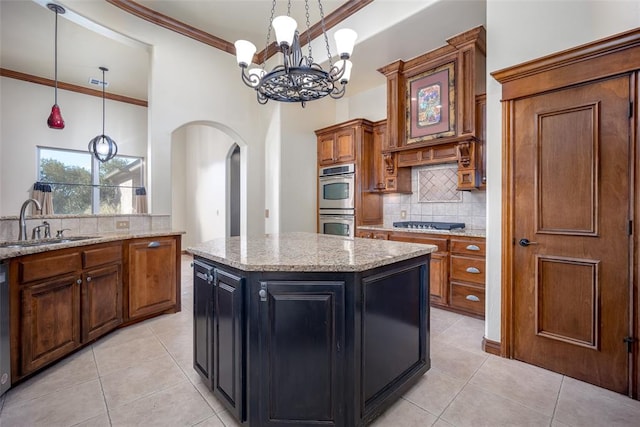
(307, 329)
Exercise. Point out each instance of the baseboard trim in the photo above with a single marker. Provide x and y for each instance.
(492, 347)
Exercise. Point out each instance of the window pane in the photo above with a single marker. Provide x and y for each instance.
(70, 175)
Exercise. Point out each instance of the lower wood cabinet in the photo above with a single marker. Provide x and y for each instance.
(153, 275)
(61, 301)
(456, 274)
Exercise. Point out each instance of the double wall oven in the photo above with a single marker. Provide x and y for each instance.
(336, 200)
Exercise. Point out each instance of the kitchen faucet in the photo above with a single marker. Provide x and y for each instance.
(23, 223)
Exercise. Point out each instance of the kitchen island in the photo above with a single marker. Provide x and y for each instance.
(308, 329)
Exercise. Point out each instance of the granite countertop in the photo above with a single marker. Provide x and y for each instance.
(457, 232)
(307, 252)
(12, 252)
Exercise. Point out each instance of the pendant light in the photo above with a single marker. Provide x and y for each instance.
(102, 147)
(55, 120)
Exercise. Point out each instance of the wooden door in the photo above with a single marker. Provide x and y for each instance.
(302, 337)
(101, 301)
(571, 259)
(228, 342)
(152, 276)
(50, 321)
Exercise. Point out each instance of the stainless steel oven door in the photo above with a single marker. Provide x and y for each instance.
(339, 225)
(337, 192)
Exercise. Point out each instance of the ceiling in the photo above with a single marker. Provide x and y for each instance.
(27, 36)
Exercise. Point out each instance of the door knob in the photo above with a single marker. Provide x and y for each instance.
(526, 242)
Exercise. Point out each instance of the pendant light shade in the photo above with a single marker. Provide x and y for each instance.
(102, 146)
(55, 120)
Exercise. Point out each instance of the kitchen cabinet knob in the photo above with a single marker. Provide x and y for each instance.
(153, 244)
(79, 281)
(473, 270)
(262, 293)
(473, 248)
(89, 279)
(472, 298)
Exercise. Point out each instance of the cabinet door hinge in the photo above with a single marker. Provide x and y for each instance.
(630, 341)
(630, 109)
(630, 228)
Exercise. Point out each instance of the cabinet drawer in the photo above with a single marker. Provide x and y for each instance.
(100, 256)
(468, 269)
(468, 298)
(47, 266)
(418, 238)
(468, 247)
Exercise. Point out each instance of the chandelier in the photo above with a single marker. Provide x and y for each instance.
(298, 78)
(102, 146)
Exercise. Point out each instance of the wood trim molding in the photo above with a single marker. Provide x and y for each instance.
(330, 21)
(491, 347)
(169, 23)
(508, 199)
(70, 87)
(617, 54)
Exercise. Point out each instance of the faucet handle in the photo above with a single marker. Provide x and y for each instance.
(60, 233)
(47, 229)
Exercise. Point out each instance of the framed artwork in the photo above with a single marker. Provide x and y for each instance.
(431, 104)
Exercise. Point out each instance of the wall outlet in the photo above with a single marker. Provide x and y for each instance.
(403, 214)
(122, 225)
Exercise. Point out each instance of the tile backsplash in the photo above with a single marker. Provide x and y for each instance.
(435, 198)
(86, 224)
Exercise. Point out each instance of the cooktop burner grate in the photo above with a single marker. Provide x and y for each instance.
(428, 225)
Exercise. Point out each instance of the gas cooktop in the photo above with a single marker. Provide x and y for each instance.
(427, 225)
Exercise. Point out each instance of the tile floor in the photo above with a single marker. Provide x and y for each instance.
(142, 376)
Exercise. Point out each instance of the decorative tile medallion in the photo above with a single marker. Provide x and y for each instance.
(439, 185)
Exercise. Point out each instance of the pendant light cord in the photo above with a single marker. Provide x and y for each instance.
(103, 84)
(56, 61)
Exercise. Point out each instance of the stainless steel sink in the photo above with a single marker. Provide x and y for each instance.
(43, 242)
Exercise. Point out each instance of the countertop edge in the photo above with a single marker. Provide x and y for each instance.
(453, 233)
(8, 253)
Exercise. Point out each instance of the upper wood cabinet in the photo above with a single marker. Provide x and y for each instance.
(353, 142)
(337, 147)
(387, 176)
(464, 57)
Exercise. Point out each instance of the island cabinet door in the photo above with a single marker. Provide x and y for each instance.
(202, 319)
(302, 336)
(228, 342)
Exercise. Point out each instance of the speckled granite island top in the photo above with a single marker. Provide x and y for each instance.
(307, 252)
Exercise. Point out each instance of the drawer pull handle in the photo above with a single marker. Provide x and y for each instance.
(473, 298)
(153, 244)
(473, 248)
(473, 270)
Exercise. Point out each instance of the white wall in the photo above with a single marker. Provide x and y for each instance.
(25, 107)
(518, 31)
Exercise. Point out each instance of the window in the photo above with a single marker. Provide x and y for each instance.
(80, 184)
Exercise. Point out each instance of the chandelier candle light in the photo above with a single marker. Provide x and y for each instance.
(102, 146)
(298, 78)
(55, 120)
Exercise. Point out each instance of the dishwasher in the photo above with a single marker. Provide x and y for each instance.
(5, 354)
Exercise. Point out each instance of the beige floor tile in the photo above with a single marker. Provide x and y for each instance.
(435, 391)
(465, 334)
(228, 419)
(404, 414)
(504, 377)
(171, 322)
(442, 423)
(583, 404)
(77, 368)
(65, 407)
(119, 336)
(478, 408)
(208, 395)
(180, 405)
(101, 420)
(212, 421)
(455, 362)
(178, 341)
(127, 353)
(138, 380)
